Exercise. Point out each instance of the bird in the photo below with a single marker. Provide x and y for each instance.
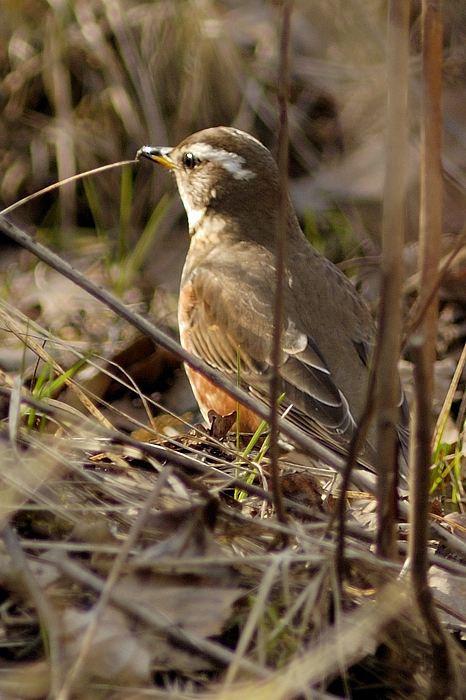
(228, 182)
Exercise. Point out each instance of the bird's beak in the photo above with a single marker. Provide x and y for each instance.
(161, 154)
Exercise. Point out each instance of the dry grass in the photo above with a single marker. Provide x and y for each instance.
(130, 569)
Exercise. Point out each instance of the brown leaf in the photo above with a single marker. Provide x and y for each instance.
(115, 654)
(201, 610)
(220, 426)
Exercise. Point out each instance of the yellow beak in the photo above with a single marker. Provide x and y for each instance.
(158, 153)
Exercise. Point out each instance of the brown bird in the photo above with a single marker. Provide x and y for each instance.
(228, 182)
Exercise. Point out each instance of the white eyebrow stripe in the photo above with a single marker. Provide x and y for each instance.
(232, 162)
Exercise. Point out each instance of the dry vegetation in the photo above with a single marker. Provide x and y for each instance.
(139, 557)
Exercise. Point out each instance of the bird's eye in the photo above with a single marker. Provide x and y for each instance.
(190, 161)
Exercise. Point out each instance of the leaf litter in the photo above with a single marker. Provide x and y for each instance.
(205, 588)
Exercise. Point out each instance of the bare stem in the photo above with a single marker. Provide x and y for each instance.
(424, 344)
(281, 243)
(393, 226)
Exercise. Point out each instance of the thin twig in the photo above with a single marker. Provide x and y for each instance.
(67, 180)
(281, 244)
(308, 443)
(393, 226)
(424, 345)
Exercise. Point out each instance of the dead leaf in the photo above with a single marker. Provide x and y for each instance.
(201, 610)
(115, 655)
(220, 426)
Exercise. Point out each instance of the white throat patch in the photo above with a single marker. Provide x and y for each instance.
(194, 216)
(232, 162)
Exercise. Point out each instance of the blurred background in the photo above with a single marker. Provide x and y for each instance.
(87, 82)
(84, 83)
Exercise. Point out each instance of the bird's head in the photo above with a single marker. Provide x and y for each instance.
(223, 172)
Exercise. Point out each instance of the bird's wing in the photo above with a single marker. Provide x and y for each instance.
(225, 326)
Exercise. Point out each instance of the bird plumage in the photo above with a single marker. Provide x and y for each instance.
(229, 184)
